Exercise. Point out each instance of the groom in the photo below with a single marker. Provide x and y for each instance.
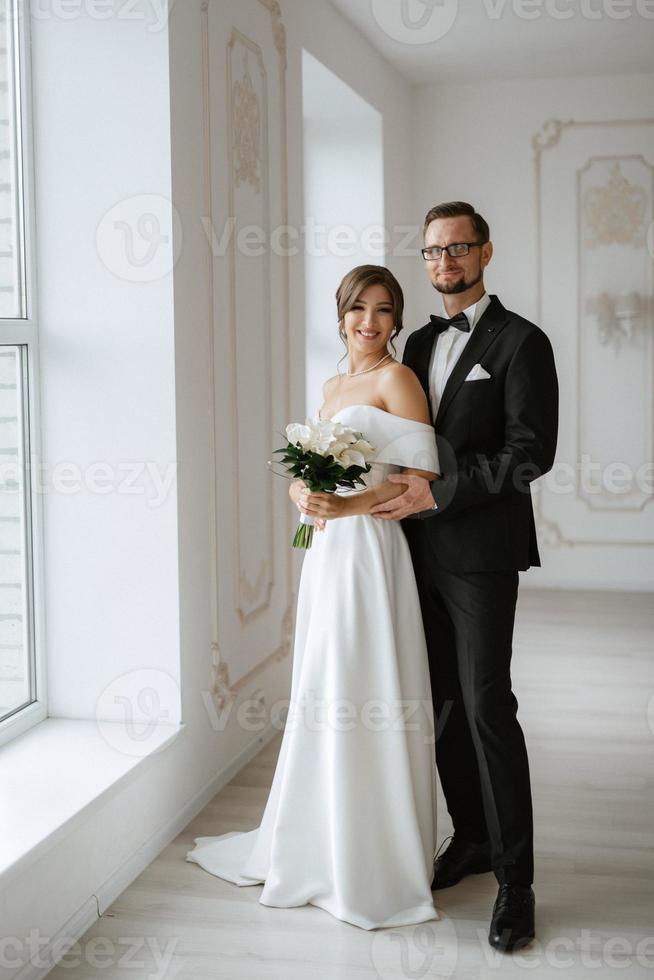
(490, 378)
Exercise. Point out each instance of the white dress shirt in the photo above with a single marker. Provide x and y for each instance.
(448, 349)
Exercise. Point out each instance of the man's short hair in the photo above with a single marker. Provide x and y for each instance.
(459, 209)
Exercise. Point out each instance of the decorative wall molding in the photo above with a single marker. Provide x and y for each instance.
(251, 597)
(612, 223)
(251, 156)
(246, 116)
(279, 31)
(547, 138)
(221, 690)
(615, 211)
(605, 310)
(616, 223)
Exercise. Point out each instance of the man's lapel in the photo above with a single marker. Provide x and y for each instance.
(484, 334)
(421, 355)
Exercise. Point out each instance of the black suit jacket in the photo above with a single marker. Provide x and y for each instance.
(494, 438)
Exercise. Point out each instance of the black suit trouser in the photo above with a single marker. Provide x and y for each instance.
(480, 748)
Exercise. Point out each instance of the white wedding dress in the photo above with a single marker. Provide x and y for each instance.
(350, 822)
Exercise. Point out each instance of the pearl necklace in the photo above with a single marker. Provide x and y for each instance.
(352, 374)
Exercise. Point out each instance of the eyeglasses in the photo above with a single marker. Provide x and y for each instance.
(455, 251)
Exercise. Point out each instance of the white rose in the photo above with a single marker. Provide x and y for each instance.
(351, 458)
(337, 448)
(296, 432)
(343, 433)
(323, 437)
(364, 448)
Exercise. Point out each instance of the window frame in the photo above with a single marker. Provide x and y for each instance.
(24, 332)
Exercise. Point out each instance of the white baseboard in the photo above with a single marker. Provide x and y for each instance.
(95, 905)
(77, 925)
(145, 855)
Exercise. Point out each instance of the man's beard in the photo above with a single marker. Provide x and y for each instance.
(461, 286)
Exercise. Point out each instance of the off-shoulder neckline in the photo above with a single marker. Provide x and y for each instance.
(375, 408)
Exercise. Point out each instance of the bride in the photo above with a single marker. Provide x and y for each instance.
(350, 821)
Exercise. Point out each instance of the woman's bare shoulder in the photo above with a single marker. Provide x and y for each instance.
(403, 394)
(398, 374)
(398, 368)
(330, 385)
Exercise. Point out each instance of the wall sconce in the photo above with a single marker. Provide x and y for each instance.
(617, 317)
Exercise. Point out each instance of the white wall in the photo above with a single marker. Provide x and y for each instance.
(344, 195)
(474, 142)
(316, 26)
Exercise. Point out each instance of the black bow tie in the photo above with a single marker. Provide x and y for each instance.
(460, 321)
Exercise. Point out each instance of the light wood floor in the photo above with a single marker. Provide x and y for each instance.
(583, 672)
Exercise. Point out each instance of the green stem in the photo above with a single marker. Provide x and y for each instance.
(303, 536)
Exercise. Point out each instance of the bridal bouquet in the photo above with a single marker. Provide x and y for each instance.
(326, 455)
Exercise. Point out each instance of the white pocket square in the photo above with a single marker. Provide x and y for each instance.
(478, 373)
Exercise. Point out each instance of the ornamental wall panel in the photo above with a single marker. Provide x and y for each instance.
(246, 199)
(595, 209)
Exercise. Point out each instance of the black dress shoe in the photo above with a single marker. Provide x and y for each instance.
(512, 924)
(461, 858)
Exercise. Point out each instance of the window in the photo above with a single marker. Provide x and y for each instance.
(22, 697)
(344, 204)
